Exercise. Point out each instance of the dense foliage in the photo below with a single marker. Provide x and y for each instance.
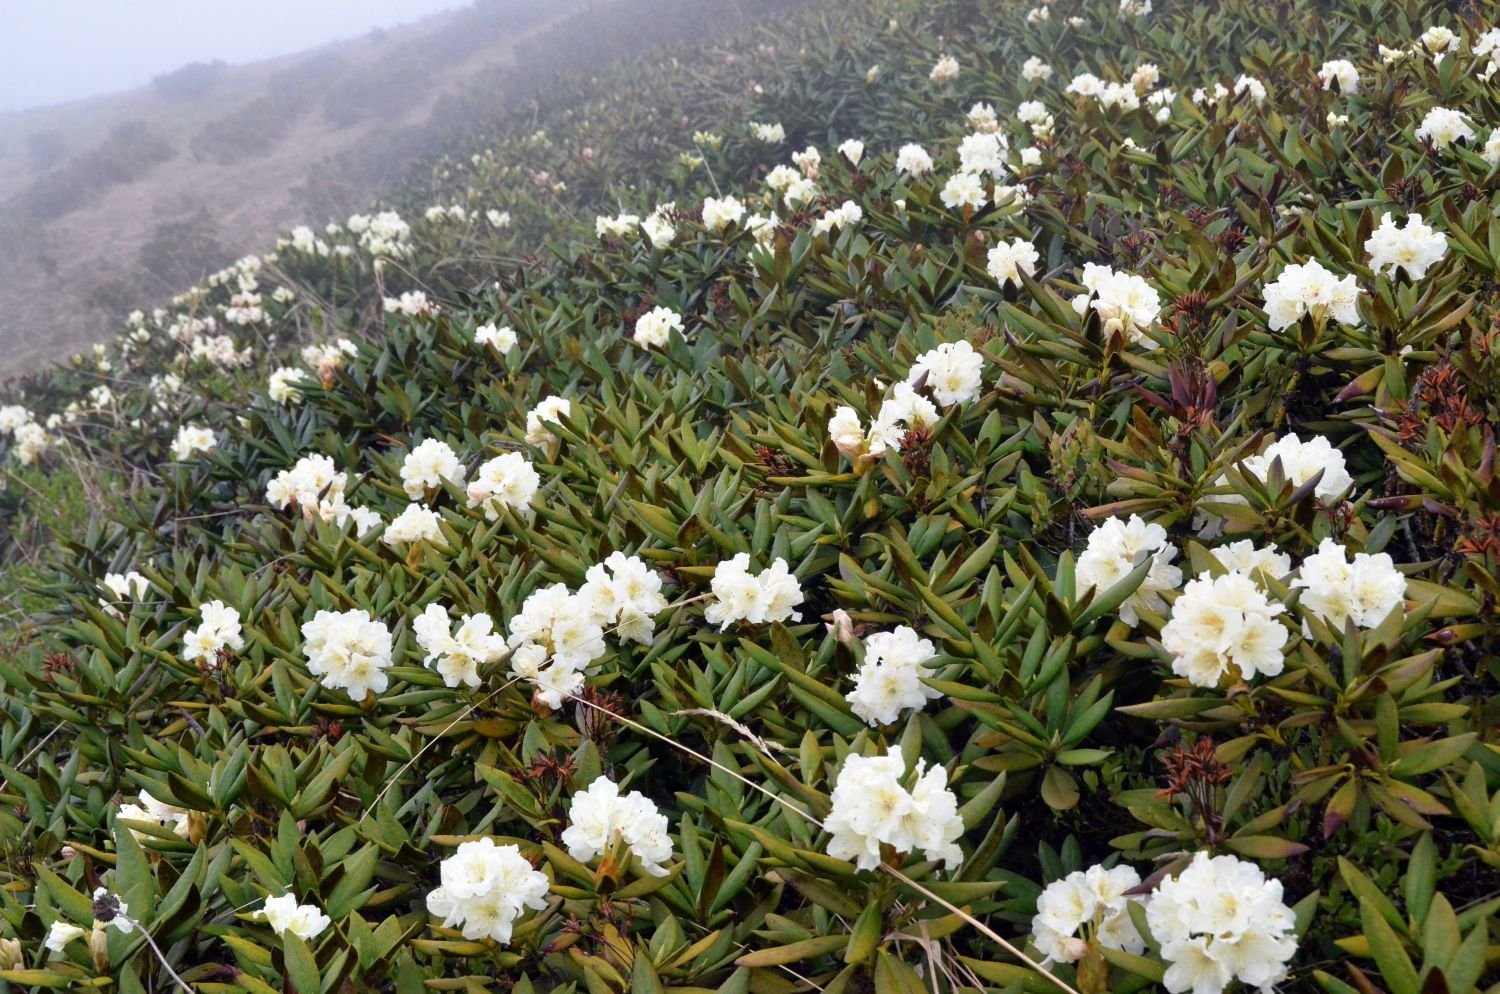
(944, 550)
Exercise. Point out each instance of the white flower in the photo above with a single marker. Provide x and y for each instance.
(1300, 461)
(284, 914)
(1311, 289)
(1116, 548)
(550, 409)
(658, 226)
(773, 595)
(60, 934)
(653, 329)
(498, 219)
(1085, 84)
(565, 624)
(1219, 920)
(1252, 86)
(982, 118)
(1334, 589)
(485, 888)
(349, 651)
(130, 586)
(159, 812)
(963, 190)
(313, 484)
(502, 340)
(412, 303)
(1126, 303)
(459, 653)
(809, 161)
(771, 134)
(982, 152)
(600, 814)
(852, 149)
(1145, 76)
(944, 71)
(1443, 126)
(13, 416)
(282, 385)
(1135, 8)
(508, 480)
(1342, 72)
(1438, 41)
(913, 160)
(1492, 149)
(871, 808)
(838, 217)
(219, 629)
(1415, 248)
(1092, 901)
(953, 372)
(427, 466)
(192, 440)
(619, 226)
(1224, 626)
(718, 214)
(417, 523)
(624, 594)
(1246, 558)
(1008, 260)
(890, 678)
(1034, 70)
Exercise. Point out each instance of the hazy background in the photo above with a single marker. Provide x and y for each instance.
(57, 50)
(156, 141)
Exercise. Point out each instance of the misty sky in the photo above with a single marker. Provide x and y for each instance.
(57, 50)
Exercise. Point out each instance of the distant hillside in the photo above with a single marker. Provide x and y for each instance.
(117, 202)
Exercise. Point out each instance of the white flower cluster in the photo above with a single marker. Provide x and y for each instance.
(600, 815)
(416, 523)
(624, 594)
(123, 587)
(457, 653)
(1310, 289)
(1126, 303)
(219, 350)
(485, 888)
(502, 340)
(1007, 261)
(963, 191)
(1335, 589)
(654, 328)
(219, 628)
(1300, 461)
(953, 372)
(385, 234)
(872, 809)
(1443, 126)
(846, 214)
(1108, 94)
(426, 467)
(913, 160)
(1087, 904)
(1416, 248)
(944, 71)
(550, 409)
(283, 385)
(773, 595)
(1224, 626)
(619, 226)
(1034, 70)
(327, 357)
(1116, 548)
(508, 480)
(412, 303)
(902, 411)
(1246, 558)
(771, 134)
(1340, 73)
(719, 214)
(349, 651)
(556, 635)
(1221, 920)
(158, 813)
(192, 440)
(890, 678)
(284, 914)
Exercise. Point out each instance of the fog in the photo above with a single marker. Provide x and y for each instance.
(51, 52)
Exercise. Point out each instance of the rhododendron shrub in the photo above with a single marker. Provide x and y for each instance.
(915, 497)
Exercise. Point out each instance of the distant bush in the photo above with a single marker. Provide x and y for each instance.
(248, 132)
(46, 148)
(191, 81)
(131, 149)
(182, 251)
